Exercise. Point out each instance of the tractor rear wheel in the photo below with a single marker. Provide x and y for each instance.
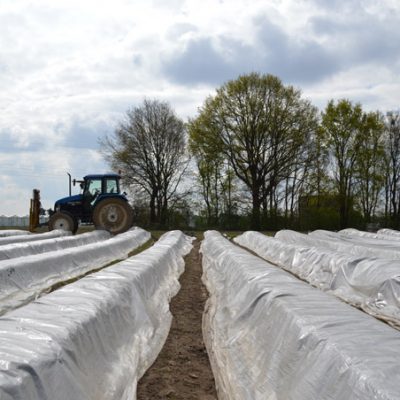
(63, 220)
(114, 215)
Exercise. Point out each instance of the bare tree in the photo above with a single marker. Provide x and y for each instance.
(149, 146)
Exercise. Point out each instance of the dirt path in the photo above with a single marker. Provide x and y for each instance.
(182, 370)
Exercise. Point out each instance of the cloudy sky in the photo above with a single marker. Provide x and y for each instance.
(69, 69)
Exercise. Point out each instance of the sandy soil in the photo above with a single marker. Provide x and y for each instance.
(182, 369)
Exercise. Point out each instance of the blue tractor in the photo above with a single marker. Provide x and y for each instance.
(100, 202)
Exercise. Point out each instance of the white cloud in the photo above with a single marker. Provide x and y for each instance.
(375, 87)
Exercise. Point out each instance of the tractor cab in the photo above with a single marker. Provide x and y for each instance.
(100, 202)
(97, 187)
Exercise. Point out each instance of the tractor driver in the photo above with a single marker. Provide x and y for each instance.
(91, 191)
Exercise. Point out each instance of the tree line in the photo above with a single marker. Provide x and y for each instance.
(258, 155)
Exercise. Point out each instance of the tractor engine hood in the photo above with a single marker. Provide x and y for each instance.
(68, 200)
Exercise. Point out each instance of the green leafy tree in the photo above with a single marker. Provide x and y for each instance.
(210, 166)
(258, 124)
(370, 164)
(392, 182)
(209, 175)
(317, 182)
(342, 131)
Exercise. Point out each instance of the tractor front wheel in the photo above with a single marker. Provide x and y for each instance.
(64, 221)
(114, 215)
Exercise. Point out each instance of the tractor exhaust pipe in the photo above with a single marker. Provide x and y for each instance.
(69, 177)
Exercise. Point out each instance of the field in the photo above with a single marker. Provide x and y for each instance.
(168, 315)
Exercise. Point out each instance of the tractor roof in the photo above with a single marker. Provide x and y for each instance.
(100, 176)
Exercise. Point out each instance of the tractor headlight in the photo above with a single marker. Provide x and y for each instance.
(57, 208)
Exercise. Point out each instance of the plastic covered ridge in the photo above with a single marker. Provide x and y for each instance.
(330, 240)
(13, 232)
(15, 250)
(272, 336)
(29, 237)
(378, 235)
(22, 279)
(93, 339)
(389, 232)
(380, 244)
(370, 283)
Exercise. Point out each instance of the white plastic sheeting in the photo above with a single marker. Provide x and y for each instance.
(12, 232)
(93, 339)
(22, 279)
(32, 237)
(330, 240)
(14, 250)
(378, 235)
(271, 336)
(370, 283)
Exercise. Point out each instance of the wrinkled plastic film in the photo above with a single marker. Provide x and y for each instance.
(24, 278)
(93, 339)
(369, 283)
(360, 239)
(378, 235)
(389, 232)
(271, 336)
